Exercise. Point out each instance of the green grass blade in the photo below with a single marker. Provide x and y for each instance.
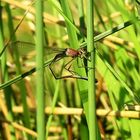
(40, 72)
(92, 120)
(4, 77)
(26, 114)
(21, 76)
(115, 29)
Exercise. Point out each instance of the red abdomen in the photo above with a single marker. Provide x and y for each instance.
(72, 53)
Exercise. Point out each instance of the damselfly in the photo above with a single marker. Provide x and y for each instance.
(60, 54)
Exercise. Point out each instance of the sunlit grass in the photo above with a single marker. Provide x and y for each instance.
(116, 41)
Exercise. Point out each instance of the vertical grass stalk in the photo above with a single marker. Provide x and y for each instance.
(91, 74)
(40, 71)
(4, 77)
(26, 114)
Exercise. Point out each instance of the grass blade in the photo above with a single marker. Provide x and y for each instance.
(40, 71)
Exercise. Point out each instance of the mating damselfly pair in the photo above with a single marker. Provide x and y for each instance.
(60, 53)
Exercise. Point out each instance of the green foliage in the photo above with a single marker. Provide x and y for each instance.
(67, 25)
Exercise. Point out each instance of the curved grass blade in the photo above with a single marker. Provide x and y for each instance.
(8, 42)
(112, 31)
(22, 76)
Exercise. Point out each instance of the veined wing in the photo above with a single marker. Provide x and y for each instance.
(28, 48)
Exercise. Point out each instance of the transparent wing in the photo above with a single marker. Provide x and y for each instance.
(28, 48)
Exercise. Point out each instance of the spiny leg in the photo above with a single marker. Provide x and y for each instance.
(61, 77)
(74, 74)
(68, 69)
(65, 66)
(67, 76)
(56, 58)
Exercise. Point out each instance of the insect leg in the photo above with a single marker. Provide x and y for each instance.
(56, 58)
